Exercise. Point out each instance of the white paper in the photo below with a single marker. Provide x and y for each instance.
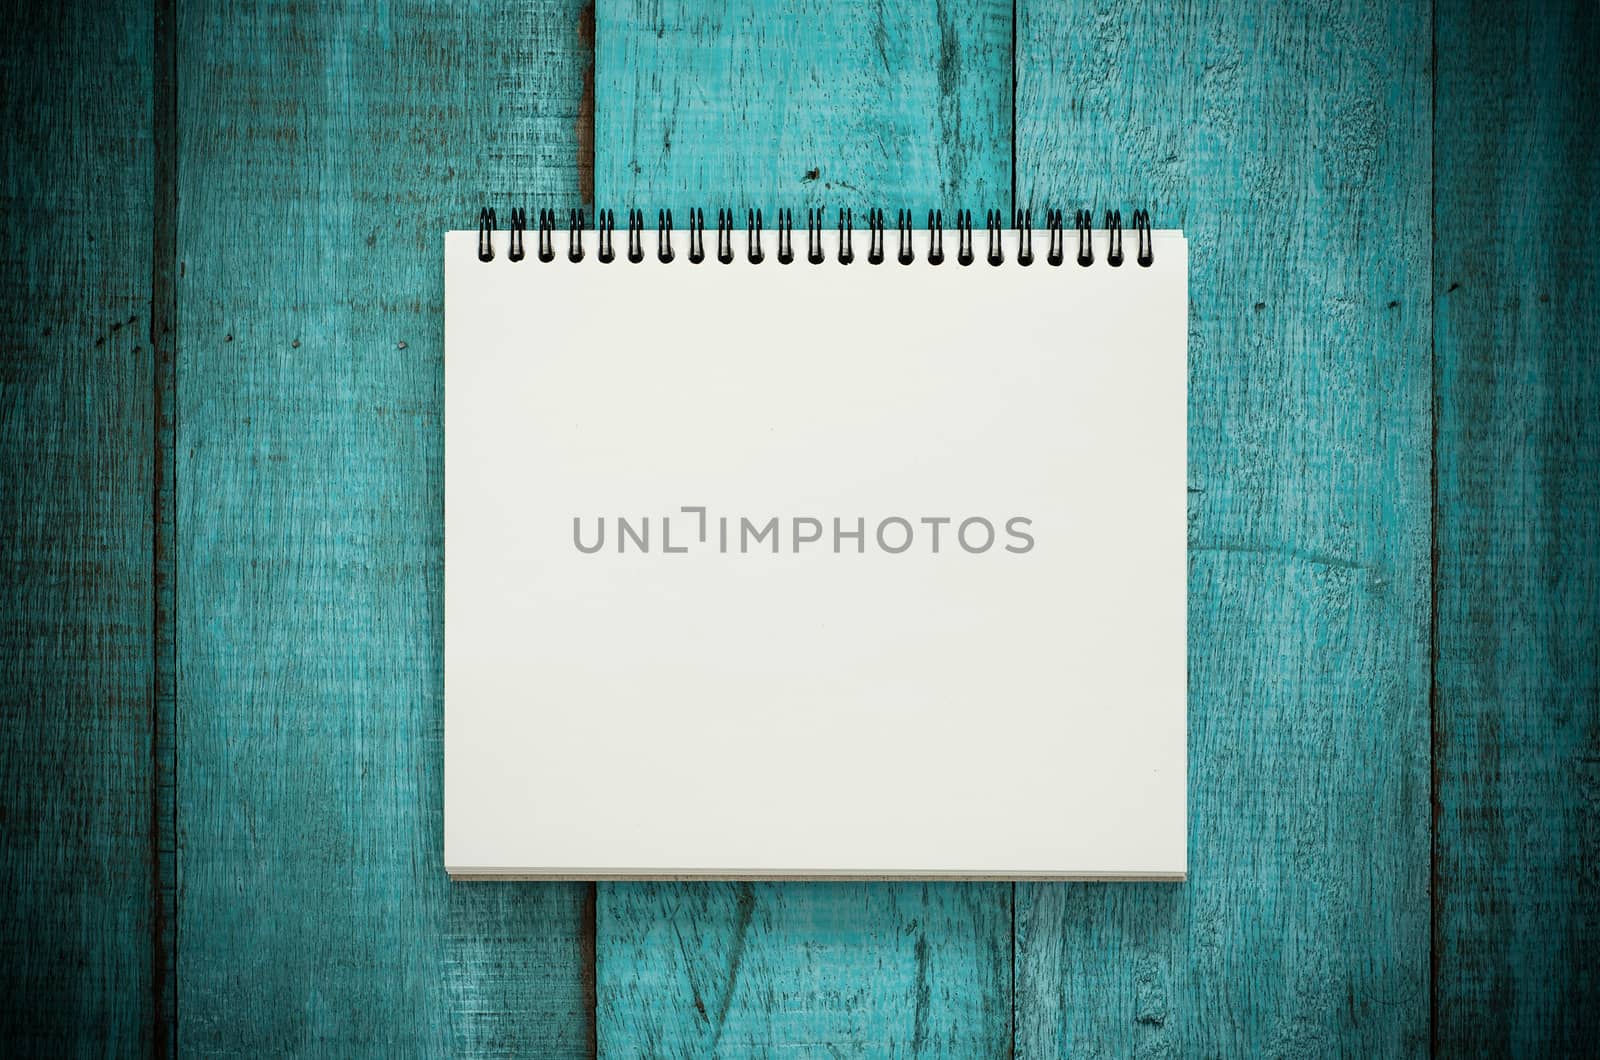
(815, 713)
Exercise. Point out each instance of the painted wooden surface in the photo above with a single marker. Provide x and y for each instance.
(803, 104)
(324, 152)
(804, 969)
(1291, 142)
(1517, 339)
(75, 530)
(1360, 260)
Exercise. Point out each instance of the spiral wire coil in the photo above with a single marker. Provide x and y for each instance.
(877, 253)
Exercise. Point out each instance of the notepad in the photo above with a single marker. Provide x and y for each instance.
(789, 569)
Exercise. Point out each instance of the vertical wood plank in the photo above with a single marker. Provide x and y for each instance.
(164, 535)
(807, 969)
(1291, 142)
(325, 151)
(1517, 701)
(803, 104)
(76, 425)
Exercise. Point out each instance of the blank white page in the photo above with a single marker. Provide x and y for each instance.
(730, 683)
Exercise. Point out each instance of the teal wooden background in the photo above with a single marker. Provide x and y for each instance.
(220, 419)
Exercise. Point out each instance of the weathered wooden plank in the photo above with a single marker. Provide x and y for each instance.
(325, 151)
(1517, 701)
(164, 535)
(75, 509)
(818, 969)
(1291, 142)
(803, 104)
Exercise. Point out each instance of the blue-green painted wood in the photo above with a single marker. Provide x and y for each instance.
(800, 104)
(803, 969)
(803, 103)
(1291, 142)
(324, 152)
(1517, 703)
(76, 424)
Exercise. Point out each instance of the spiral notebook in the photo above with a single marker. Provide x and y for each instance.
(783, 547)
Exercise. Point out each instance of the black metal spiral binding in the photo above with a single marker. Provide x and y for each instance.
(752, 238)
(485, 234)
(814, 236)
(547, 235)
(1114, 238)
(877, 249)
(725, 236)
(1145, 255)
(664, 236)
(575, 236)
(936, 237)
(635, 236)
(605, 222)
(519, 225)
(785, 237)
(697, 235)
(1085, 239)
(875, 236)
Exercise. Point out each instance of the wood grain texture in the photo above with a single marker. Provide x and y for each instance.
(1291, 142)
(803, 969)
(76, 425)
(803, 104)
(324, 153)
(1517, 702)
